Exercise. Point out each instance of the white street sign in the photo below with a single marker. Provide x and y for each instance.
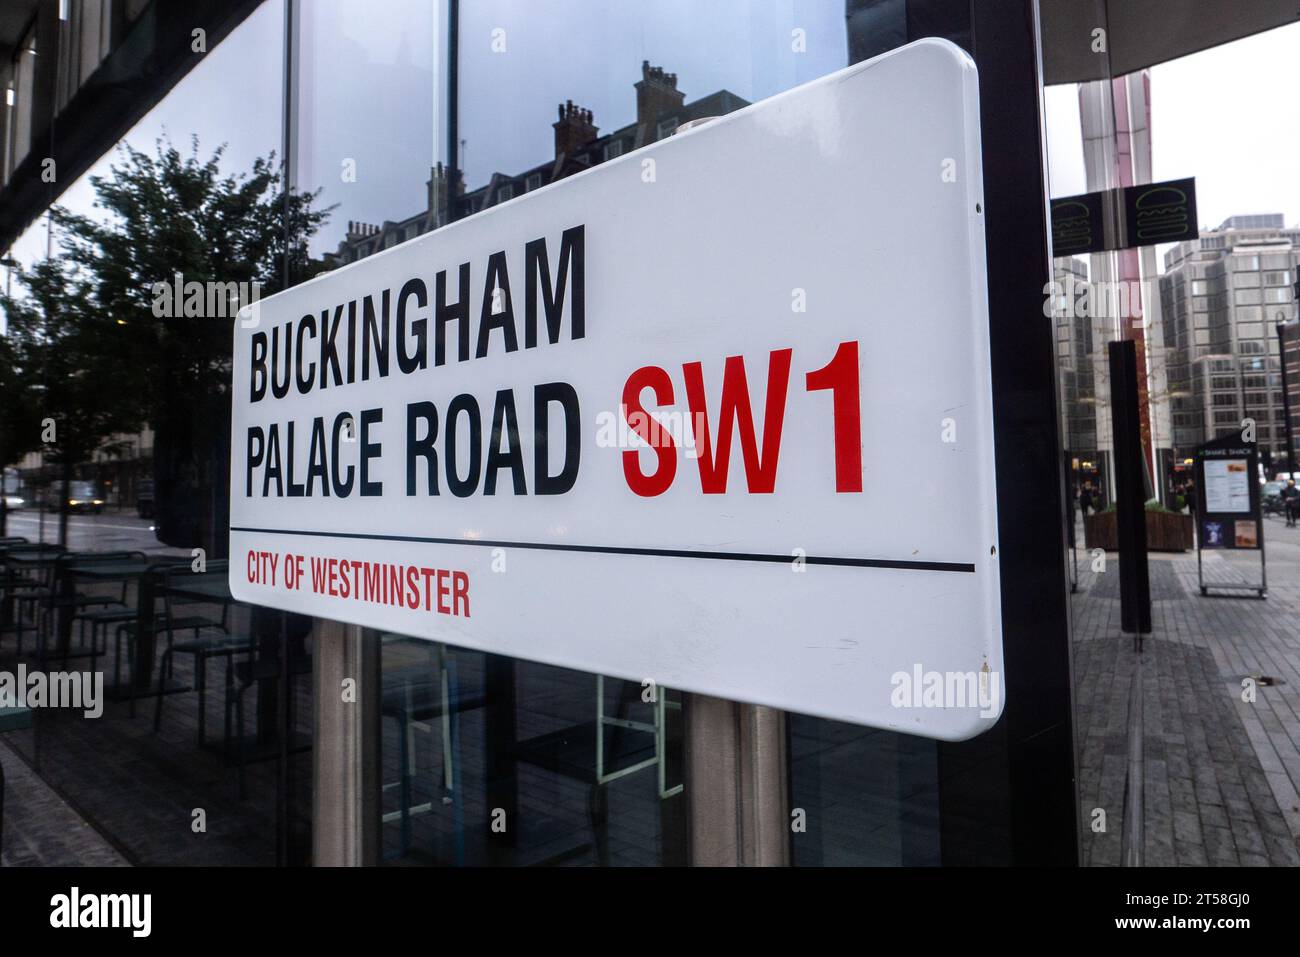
(447, 439)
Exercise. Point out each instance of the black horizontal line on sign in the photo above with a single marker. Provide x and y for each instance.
(619, 550)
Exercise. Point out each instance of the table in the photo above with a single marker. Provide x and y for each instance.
(15, 718)
(203, 588)
(147, 574)
(128, 570)
(32, 556)
(109, 571)
(101, 571)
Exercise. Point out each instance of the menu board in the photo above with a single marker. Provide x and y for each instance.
(1227, 486)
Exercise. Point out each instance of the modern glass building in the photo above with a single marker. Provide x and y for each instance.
(1223, 296)
(352, 128)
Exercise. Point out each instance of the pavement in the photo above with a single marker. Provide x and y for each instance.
(41, 828)
(1176, 765)
(1213, 775)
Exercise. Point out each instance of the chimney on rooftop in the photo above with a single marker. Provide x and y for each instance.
(656, 95)
(574, 130)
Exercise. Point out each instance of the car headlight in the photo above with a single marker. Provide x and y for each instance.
(73, 501)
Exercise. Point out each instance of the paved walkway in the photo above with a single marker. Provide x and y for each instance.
(1220, 775)
(41, 828)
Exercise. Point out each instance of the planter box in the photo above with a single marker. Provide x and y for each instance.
(1166, 531)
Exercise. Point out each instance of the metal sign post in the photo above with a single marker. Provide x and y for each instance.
(1135, 586)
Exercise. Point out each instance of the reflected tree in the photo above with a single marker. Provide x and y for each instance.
(63, 362)
(167, 219)
(19, 421)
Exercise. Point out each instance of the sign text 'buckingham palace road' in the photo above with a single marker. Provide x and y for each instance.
(714, 415)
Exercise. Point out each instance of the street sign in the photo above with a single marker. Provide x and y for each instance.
(1078, 225)
(1228, 494)
(1228, 509)
(1160, 213)
(715, 415)
(1124, 218)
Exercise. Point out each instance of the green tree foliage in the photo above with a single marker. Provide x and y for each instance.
(19, 419)
(66, 360)
(173, 214)
(161, 216)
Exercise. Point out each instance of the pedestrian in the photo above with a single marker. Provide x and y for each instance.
(1291, 499)
(1085, 498)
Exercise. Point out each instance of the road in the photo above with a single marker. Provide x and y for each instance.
(107, 531)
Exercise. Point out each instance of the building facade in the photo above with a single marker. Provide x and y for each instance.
(660, 109)
(1223, 296)
(1076, 346)
(449, 754)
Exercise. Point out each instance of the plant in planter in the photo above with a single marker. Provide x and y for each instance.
(1167, 530)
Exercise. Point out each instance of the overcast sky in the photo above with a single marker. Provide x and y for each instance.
(1226, 116)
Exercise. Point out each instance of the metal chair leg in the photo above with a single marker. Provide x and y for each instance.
(162, 686)
(230, 688)
(239, 743)
(130, 671)
(404, 756)
(200, 679)
(117, 657)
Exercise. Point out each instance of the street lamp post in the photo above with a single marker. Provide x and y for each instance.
(1163, 478)
(1286, 398)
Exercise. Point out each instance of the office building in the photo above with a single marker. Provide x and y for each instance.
(1222, 297)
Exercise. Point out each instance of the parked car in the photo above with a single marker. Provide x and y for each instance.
(1270, 498)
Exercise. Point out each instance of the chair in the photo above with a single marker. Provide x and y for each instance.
(18, 590)
(217, 642)
(585, 752)
(262, 665)
(24, 589)
(115, 611)
(127, 631)
(414, 695)
(60, 597)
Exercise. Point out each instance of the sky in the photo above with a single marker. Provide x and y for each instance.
(1226, 115)
(368, 96)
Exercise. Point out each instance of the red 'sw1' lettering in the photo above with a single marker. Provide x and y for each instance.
(657, 482)
(760, 472)
(840, 377)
